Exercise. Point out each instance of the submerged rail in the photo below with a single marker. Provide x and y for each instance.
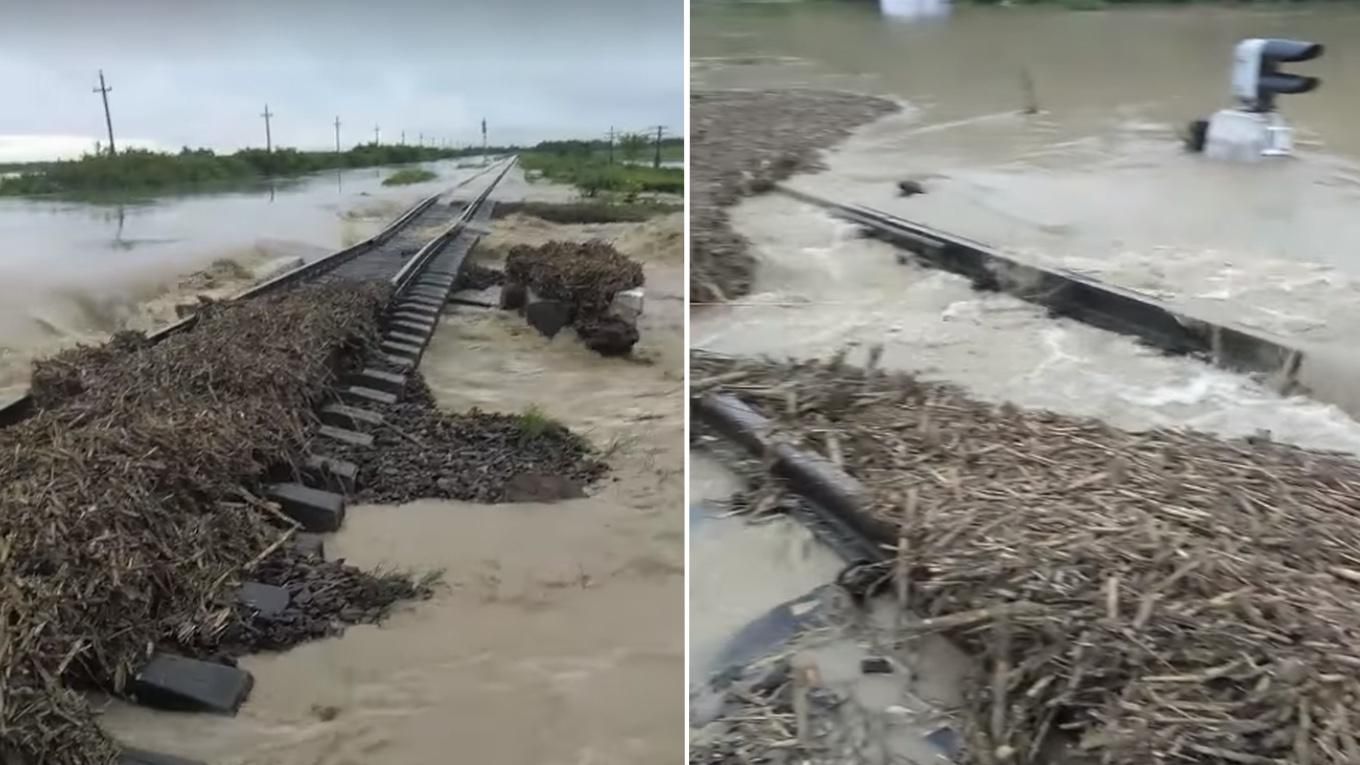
(1288, 367)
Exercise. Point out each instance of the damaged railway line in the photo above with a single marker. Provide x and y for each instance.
(169, 494)
(1127, 596)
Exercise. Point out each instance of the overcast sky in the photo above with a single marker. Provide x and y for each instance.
(199, 73)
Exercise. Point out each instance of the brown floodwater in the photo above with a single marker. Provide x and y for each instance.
(560, 637)
(1096, 182)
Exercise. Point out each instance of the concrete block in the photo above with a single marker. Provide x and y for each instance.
(400, 362)
(411, 325)
(314, 509)
(343, 416)
(376, 379)
(359, 394)
(546, 315)
(331, 474)
(627, 305)
(410, 338)
(513, 296)
(345, 436)
(263, 598)
(418, 311)
(400, 349)
(431, 293)
(310, 545)
(189, 685)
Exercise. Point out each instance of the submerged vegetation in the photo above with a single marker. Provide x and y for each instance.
(142, 170)
(590, 166)
(408, 176)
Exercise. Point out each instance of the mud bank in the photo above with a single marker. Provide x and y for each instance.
(557, 618)
(742, 141)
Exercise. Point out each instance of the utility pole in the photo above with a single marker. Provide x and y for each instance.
(377, 136)
(403, 138)
(656, 159)
(337, 134)
(484, 141)
(104, 90)
(422, 140)
(268, 138)
(611, 144)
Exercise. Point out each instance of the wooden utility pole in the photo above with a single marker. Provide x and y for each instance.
(337, 134)
(403, 138)
(104, 90)
(484, 141)
(377, 136)
(611, 144)
(268, 137)
(656, 159)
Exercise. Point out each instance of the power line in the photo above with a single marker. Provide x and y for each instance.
(268, 138)
(104, 90)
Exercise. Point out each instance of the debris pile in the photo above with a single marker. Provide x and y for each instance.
(743, 143)
(584, 212)
(1162, 596)
(578, 281)
(421, 452)
(128, 512)
(473, 276)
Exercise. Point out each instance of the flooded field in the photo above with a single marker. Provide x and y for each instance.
(75, 272)
(556, 618)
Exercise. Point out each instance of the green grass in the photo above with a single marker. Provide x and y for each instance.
(409, 175)
(594, 211)
(593, 174)
(138, 170)
(534, 422)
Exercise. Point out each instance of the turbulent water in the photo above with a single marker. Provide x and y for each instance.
(1096, 181)
(74, 272)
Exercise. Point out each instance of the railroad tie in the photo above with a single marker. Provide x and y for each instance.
(331, 474)
(343, 416)
(410, 338)
(359, 394)
(181, 684)
(376, 379)
(313, 509)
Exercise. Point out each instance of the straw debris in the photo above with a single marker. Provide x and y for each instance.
(1158, 596)
(128, 509)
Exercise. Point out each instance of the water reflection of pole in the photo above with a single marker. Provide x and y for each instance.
(339, 179)
(122, 218)
(271, 192)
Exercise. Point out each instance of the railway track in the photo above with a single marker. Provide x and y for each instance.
(1286, 366)
(420, 254)
(378, 257)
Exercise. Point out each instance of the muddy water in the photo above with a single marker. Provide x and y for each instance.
(560, 636)
(74, 272)
(1096, 180)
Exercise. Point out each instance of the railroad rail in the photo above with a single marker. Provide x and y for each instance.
(377, 257)
(420, 254)
(1288, 367)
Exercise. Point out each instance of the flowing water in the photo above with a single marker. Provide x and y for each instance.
(1096, 181)
(559, 639)
(76, 271)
